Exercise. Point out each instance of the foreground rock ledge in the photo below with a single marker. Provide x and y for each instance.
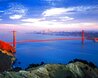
(72, 70)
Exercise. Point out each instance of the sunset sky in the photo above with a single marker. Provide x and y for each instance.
(55, 15)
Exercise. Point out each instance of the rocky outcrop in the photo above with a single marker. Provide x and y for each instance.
(7, 48)
(5, 62)
(6, 56)
(72, 70)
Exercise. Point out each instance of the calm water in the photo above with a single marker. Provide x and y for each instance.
(53, 51)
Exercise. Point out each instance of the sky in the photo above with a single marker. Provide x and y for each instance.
(53, 15)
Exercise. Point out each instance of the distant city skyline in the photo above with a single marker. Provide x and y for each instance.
(55, 15)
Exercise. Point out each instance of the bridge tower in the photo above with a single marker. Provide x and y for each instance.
(83, 37)
(14, 39)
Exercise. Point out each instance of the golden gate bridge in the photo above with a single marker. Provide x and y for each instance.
(82, 38)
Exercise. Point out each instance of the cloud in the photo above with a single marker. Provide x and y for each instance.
(62, 19)
(61, 26)
(54, 11)
(0, 19)
(49, 19)
(54, 17)
(16, 10)
(1, 11)
(31, 20)
(15, 17)
(66, 18)
(70, 10)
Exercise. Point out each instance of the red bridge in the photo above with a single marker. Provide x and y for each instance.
(82, 38)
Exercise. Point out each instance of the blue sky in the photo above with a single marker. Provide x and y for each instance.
(54, 15)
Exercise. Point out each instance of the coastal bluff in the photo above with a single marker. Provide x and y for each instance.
(7, 57)
(72, 70)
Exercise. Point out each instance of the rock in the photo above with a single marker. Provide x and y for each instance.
(71, 70)
(7, 48)
(6, 56)
(5, 62)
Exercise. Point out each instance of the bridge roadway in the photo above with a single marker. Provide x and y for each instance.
(51, 39)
